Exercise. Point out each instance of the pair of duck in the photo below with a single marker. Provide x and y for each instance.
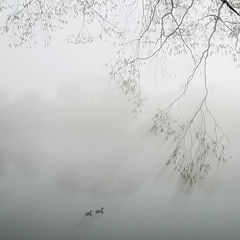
(90, 213)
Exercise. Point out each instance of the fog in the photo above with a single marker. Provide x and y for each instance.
(69, 144)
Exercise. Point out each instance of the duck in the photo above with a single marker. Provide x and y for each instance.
(88, 213)
(100, 211)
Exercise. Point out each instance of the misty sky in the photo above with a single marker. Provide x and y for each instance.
(69, 143)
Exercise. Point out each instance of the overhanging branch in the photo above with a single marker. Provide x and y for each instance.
(231, 7)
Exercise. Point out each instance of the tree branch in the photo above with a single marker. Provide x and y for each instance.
(230, 7)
